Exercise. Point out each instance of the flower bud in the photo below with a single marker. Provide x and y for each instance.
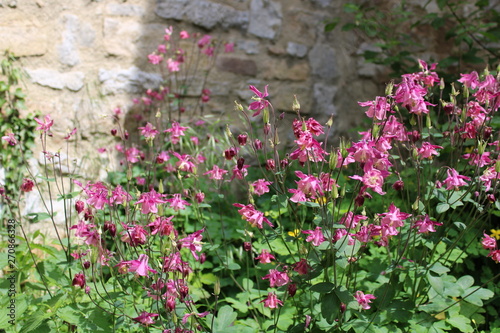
(27, 185)
(292, 289)
(257, 144)
(240, 163)
(247, 246)
(86, 264)
(79, 280)
(242, 139)
(113, 132)
(398, 185)
(79, 206)
(270, 165)
(295, 104)
(110, 227)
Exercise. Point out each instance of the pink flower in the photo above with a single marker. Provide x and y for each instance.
(139, 266)
(177, 203)
(79, 280)
(315, 236)
(176, 131)
(489, 243)
(277, 278)
(10, 138)
(155, 59)
(454, 180)
(261, 186)
(272, 301)
(216, 173)
(470, 80)
(229, 47)
(135, 235)
(173, 65)
(260, 103)
(44, 125)
(146, 318)
(427, 150)
(133, 155)
(426, 225)
(205, 40)
(363, 299)
(27, 185)
(302, 267)
(148, 131)
(184, 163)
(378, 108)
(193, 242)
(265, 257)
(149, 200)
(253, 216)
(184, 34)
(495, 255)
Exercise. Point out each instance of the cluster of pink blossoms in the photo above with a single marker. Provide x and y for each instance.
(490, 243)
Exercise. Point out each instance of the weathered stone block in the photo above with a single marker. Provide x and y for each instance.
(287, 70)
(323, 98)
(121, 36)
(237, 65)
(131, 80)
(296, 50)
(265, 18)
(323, 62)
(53, 79)
(22, 36)
(117, 9)
(205, 14)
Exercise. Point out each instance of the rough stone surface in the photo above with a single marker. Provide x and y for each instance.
(248, 46)
(131, 80)
(117, 9)
(22, 36)
(296, 50)
(121, 36)
(265, 18)
(323, 98)
(205, 14)
(323, 62)
(237, 65)
(53, 79)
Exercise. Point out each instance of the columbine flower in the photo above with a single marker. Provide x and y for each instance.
(495, 233)
(277, 278)
(148, 131)
(176, 131)
(315, 236)
(216, 173)
(193, 242)
(260, 103)
(454, 180)
(149, 200)
(364, 299)
(44, 125)
(253, 216)
(139, 266)
(146, 318)
(261, 186)
(79, 280)
(426, 225)
(489, 243)
(27, 185)
(10, 138)
(272, 301)
(265, 257)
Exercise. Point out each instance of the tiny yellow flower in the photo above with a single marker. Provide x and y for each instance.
(321, 200)
(295, 233)
(495, 233)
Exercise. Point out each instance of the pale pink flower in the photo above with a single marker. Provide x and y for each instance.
(155, 59)
(277, 278)
(454, 180)
(149, 131)
(193, 242)
(488, 242)
(427, 150)
(10, 138)
(184, 34)
(253, 216)
(272, 301)
(315, 236)
(265, 257)
(426, 225)
(261, 186)
(177, 203)
(363, 299)
(260, 103)
(176, 131)
(139, 266)
(46, 124)
(216, 173)
(149, 201)
(146, 318)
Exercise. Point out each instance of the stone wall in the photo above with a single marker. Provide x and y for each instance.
(84, 58)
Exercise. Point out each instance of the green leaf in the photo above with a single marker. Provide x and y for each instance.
(331, 25)
(233, 266)
(34, 322)
(460, 322)
(439, 268)
(436, 283)
(36, 217)
(323, 287)
(442, 207)
(466, 281)
(477, 296)
(68, 195)
(330, 306)
(225, 318)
